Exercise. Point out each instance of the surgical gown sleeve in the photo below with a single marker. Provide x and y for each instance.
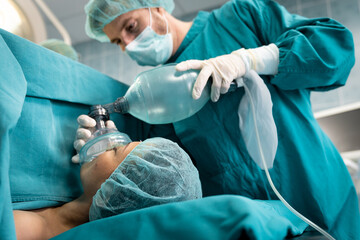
(316, 53)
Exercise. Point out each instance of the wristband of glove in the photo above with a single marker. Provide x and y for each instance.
(264, 60)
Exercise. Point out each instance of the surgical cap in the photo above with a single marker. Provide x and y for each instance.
(101, 12)
(156, 171)
(60, 47)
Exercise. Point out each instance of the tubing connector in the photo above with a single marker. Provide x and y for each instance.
(121, 105)
(100, 115)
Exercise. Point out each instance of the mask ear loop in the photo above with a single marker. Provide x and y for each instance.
(167, 24)
(150, 17)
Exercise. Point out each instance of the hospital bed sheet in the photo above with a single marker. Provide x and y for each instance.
(218, 217)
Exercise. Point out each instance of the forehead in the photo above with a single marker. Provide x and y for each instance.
(142, 13)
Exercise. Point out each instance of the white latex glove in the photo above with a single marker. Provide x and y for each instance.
(84, 132)
(226, 68)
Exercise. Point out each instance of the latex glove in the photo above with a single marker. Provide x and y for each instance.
(85, 130)
(226, 68)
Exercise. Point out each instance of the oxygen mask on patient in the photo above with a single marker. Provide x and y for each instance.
(103, 138)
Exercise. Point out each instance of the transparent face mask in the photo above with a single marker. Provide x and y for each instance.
(101, 143)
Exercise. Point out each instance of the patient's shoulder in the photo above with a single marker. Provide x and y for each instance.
(30, 225)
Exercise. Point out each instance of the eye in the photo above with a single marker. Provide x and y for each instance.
(112, 149)
(116, 41)
(131, 27)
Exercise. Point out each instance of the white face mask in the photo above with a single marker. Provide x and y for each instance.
(150, 48)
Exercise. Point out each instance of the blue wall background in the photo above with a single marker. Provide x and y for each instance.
(109, 59)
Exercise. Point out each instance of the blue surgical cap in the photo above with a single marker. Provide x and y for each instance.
(61, 47)
(101, 12)
(156, 171)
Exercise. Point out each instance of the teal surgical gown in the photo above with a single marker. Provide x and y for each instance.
(315, 55)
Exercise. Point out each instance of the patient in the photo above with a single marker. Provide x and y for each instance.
(123, 179)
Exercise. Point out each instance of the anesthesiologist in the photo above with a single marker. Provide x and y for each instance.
(294, 55)
(146, 167)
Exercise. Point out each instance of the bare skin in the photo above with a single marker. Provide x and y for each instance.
(125, 28)
(48, 222)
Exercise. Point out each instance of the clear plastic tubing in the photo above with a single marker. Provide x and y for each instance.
(299, 215)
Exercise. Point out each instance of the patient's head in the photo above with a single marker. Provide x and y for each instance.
(143, 174)
(94, 173)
